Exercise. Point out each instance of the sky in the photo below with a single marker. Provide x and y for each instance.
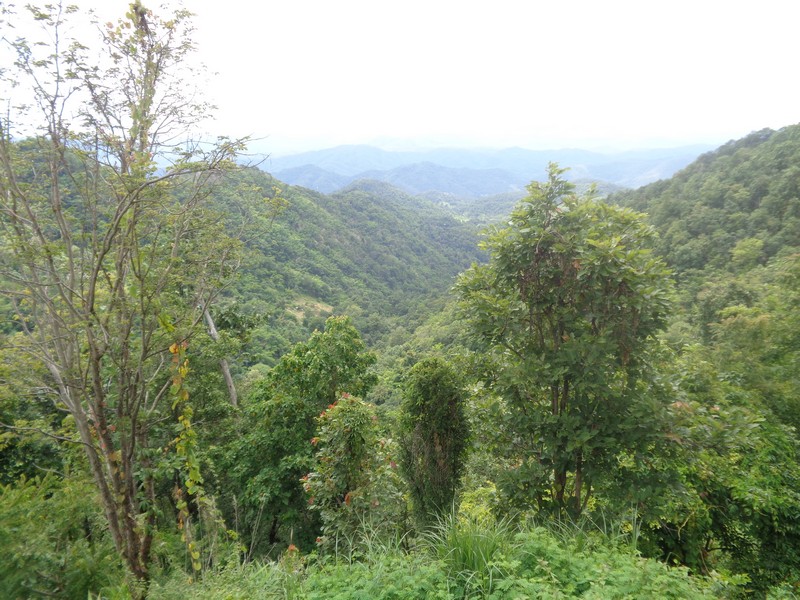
(308, 74)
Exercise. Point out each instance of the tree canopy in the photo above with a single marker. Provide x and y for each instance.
(568, 304)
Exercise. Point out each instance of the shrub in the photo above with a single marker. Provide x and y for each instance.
(51, 543)
(434, 437)
(354, 483)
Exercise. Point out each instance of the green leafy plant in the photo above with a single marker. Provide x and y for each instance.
(52, 542)
(264, 465)
(568, 306)
(434, 437)
(354, 483)
(201, 550)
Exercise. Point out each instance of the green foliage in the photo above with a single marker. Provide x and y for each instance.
(354, 483)
(250, 581)
(394, 577)
(735, 425)
(206, 536)
(741, 482)
(260, 470)
(26, 418)
(384, 576)
(52, 543)
(734, 207)
(757, 343)
(568, 305)
(560, 568)
(332, 361)
(434, 437)
(729, 225)
(478, 560)
(110, 248)
(569, 394)
(259, 475)
(473, 550)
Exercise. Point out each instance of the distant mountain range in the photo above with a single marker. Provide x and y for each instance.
(474, 173)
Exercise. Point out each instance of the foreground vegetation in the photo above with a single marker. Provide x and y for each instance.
(462, 558)
(215, 385)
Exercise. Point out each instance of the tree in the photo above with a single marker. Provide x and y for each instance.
(332, 361)
(266, 463)
(568, 305)
(353, 483)
(434, 436)
(738, 504)
(110, 253)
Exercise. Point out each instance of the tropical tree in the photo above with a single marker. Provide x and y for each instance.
(567, 306)
(434, 436)
(110, 252)
(738, 500)
(262, 468)
(354, 484)
(332, 361)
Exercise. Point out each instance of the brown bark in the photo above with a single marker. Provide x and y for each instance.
(560, 483)
(88, 258)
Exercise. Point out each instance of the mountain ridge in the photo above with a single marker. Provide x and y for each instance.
(474, 173)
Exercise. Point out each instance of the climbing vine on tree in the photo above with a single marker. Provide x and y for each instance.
(111, 250)
(354, 483)
(434, 437)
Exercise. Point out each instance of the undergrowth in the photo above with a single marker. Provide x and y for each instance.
(460, 558)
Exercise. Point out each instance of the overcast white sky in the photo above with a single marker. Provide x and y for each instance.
(304, 74)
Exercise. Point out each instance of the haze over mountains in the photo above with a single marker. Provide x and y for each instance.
(473, 173)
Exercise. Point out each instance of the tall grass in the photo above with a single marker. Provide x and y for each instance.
(369, 542)
(621, 530)
(473, 550)
(462, 557)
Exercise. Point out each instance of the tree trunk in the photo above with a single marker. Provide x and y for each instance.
(223, 362)
(97, 243)
(576, 501)
(560, 483)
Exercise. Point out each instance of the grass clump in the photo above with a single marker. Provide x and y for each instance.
(473, 549)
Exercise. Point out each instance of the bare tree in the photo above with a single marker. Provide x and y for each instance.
(109, 250)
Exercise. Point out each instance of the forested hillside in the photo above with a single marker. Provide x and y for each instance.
(737, 206)
(729, 226)
(370, 251)
(217, 385)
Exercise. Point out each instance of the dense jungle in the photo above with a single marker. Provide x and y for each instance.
(214, 384)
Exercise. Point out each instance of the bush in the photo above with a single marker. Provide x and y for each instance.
(354, 483)
(51, 543)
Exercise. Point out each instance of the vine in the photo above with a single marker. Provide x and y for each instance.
(186, 445)
(185, 448)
